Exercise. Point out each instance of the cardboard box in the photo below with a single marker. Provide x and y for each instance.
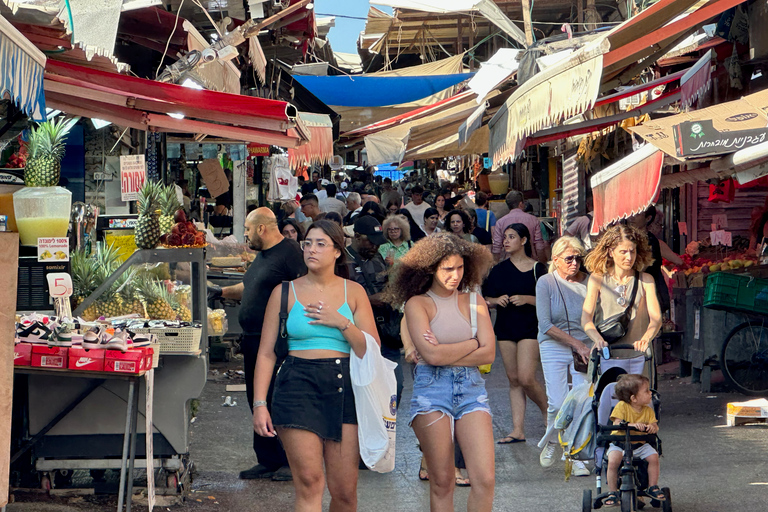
(22, 354)
(44, 356)
(738, 413)
(81, 359)
(132, 361)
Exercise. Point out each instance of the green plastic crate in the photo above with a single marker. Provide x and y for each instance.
(736, 292)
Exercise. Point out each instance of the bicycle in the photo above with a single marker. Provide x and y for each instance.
(744, 357)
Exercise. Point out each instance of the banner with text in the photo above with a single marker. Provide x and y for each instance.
(133, 174)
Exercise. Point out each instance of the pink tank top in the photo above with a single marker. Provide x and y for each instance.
(449, 324)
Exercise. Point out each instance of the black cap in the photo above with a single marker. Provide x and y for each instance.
(370, 227)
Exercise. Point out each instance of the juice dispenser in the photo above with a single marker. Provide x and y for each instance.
(42, 212)
(6, 204)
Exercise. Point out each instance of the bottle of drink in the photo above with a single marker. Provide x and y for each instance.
(763, 259)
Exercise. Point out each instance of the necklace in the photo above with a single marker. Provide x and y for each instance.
(621, 290)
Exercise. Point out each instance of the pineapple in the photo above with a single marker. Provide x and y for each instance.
(132, 304)
(182, 312)
(46, 149)
(157, 299)
(88, 272)
(169, 204)
(147, 232)
(111, 304)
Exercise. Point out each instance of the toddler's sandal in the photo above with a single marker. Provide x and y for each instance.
(655, 493)
(612, 500)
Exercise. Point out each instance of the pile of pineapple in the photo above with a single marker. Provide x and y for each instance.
(138, 291)
(162, 219)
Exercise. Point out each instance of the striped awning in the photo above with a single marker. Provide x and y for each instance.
(21, 71)
(319, 148)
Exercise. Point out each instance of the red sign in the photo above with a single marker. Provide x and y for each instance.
(258, 150)
(133, 174)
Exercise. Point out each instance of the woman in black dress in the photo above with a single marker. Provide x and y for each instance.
(511, 289)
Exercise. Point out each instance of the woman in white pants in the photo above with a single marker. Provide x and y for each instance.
(559, 301)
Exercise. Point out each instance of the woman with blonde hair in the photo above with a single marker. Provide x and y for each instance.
(563, 345)
(398, 233)
(435, 281)
(617, 284)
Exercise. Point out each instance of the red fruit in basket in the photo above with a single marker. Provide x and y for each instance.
(164, 239)
(199, 238)
(179, 229)
(174, 240)
(191, 227)
(179, 216)
(188, 239)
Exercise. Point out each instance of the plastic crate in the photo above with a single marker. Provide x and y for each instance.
(736, 292)
(181, 339)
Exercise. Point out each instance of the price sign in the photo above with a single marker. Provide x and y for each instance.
(133, 174)
(59, 284)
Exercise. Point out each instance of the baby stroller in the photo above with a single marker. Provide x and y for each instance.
(633, 473)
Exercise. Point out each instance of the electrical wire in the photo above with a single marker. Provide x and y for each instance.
(168, 43)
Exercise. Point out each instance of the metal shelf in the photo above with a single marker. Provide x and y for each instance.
(196, 257)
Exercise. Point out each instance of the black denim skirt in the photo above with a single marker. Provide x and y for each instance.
(314, 395)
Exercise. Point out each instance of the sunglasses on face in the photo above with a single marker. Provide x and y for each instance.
(569, 260)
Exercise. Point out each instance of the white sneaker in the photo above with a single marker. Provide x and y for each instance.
(580, 469)
(547, 457)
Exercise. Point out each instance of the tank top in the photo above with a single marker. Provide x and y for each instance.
(608, 306)
(304, 336)
(449, 324)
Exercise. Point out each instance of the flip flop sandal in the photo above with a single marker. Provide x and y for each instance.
(611, 500)
(510, 440)
(37, 333)
(462, 482)
(423, 473)
(655, 493)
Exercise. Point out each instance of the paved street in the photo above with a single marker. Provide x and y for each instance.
(709, 467)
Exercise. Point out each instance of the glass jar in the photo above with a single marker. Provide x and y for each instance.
(42, 212)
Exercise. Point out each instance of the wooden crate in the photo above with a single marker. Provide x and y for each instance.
(753, 411)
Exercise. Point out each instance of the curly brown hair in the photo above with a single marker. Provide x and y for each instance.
(599, 260)
(413, 273)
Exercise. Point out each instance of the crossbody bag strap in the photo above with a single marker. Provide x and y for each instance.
(565, 308)
(634, 292)
(284, 309)
(473, 312)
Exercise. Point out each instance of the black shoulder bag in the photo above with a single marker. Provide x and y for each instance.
(281, 344)
(614, 328)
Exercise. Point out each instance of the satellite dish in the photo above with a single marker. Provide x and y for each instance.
(337, 162)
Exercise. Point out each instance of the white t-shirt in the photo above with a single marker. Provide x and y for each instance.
(417, 212)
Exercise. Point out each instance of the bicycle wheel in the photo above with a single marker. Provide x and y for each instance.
(744, 358)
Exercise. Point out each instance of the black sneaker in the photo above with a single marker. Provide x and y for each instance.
(257, 472)
(283, 475)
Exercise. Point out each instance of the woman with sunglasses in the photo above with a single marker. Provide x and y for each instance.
(511, 289)
(313, 408)
(617, 260)
(559, 300)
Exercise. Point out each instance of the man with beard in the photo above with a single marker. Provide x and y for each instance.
(279, 259)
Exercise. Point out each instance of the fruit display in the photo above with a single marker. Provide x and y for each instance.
(45, 149)
(18, 160)
(706, 262)
(169, 205)
(183, 234)
(147, 232)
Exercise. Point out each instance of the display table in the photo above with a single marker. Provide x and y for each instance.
(95, 381)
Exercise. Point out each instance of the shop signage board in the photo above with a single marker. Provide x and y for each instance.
(258, 149)
(133, 174)
(702, 138)
(214, 177)
(53, 249)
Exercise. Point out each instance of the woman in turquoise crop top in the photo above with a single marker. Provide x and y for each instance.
(313, 405)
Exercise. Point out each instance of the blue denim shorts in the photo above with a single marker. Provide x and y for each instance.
(452, 390)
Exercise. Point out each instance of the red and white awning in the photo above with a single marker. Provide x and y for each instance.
(627, 187)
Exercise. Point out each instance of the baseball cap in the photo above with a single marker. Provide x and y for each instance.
(370, 227)
(343, 184)
(325, 182)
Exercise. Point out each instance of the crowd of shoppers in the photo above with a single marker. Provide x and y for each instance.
(441, 284)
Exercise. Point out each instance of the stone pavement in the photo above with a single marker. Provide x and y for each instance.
(709, 467)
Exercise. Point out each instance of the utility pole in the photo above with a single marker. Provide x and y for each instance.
(528, 25)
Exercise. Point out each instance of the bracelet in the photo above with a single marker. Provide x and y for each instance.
(349, 322)
(477, 340)
(259, 403)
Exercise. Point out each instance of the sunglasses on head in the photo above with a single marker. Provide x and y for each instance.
(570, 259)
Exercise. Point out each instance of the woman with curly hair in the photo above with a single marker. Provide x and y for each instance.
(617, 263)
(458, 223)
(398, 234)
(436, 280)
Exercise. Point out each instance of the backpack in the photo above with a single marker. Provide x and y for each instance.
(576, 423)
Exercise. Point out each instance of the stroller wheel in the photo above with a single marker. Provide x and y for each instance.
(666, 505)
(586, 501)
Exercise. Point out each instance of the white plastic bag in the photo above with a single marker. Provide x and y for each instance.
(375, 389)
(282, 183)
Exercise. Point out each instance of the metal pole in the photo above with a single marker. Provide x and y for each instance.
(132, 456)
(126, 441)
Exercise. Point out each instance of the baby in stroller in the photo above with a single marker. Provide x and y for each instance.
(634, 409)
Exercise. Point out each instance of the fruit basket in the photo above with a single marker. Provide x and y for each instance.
(736, 292)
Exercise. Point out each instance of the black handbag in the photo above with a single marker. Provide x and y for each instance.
(616, 327)
(281, 344)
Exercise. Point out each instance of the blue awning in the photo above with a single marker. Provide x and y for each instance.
(21, 71)
(368, 91)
